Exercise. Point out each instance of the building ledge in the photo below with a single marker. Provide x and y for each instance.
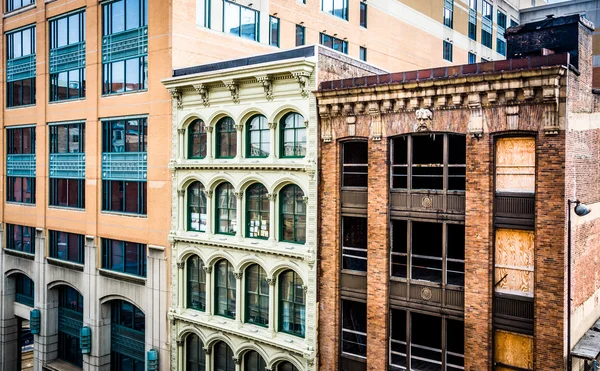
(60, 365)
(65, 264)
(19, 254)
(122, 276)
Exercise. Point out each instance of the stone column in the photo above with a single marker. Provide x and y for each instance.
(273, 138)
(239, 213)
(156, 301)
(180, 144)
(209, 286)
(209, 212)
(181, 212)
(238, 297)
(272, 217)
(180, 360)
(9, 346)
(208, 359)
(238, 363)
(240, 136)
(209, 143)
(180, 287)
(272, 305)
(45, 348)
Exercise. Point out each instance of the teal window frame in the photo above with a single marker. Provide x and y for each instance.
(197, 139)
(17, 4)
(449, 13)
(337, 8)
(21, 141)
(472, 20)
(226, 127)
(21, 91)
(70, 311)
(194, 353)
(223, 285)
(254, 362)
(363, 14)
(258, 212)
(362, 53)
(224, 195)
(257, 296)
(472, 58)
(196, 283)
(24, 290)
(333, 43)
(500, 39)
(127, 345)
(293, 123)
(196, 204)
(203, 8)
(67, 246)
(486, 28)
(242, 11)
(447, 51)
(67, 192)
(293, 304)
(257, 126)
(223, 357)
(112, 248)
(292, 213)
(274, 31)
(72, 48)
(20, 238)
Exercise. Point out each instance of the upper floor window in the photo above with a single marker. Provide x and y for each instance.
(124, 46)
(20, 238)
(354, 328)
(334, 43)
(20, 141)
(226, 138)
(363, 14)
(196, 139)
(448, 13)
(196, 279)
(513, 23)
(293, 214)
(25, 290)
(67, 246)
(447, 54)
(240, 21)
(16, 4)
(354, 243)
(124, 257)
(355, 164)
(472, 58)
(300, 35)
(128, 325)
(258, 137)
(292, 303)
(486, 26)
(129, 135)
(515, 165)
(473, 19)
(20, 165)
(20, 67)
(203, 13)
(286, 366)
(196, 216)
(67, 186)
(274, 31)
(257, 296)
(293, 135)
(257, 212)
(67, 57)
(225, 289)
(501, 41)
(70, 322)
(226, 209)
(362, 54)
(339, 8)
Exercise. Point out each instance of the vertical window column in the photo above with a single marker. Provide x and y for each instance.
(501, 40)
(473, 19)
(67, 165)
(20, 165)
(20, 67)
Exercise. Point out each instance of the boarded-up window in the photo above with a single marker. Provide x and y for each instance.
(512, 350)
(515, 165)
(514, 262)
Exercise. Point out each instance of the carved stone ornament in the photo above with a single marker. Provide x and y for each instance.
(239, 194)
(426, 293)
(238, 275)
(208, 269)
(426, 202)
(179, 342)
(302, 78)
(180, 265)
(176, 96)
(272, 196)
(424, 118)
(267, 84)
(208, 193)
(202, 90)
(234, 89)
(271, 281)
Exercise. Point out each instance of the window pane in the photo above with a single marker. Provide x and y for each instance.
(231, 18)
(132, 72)
(118, 16)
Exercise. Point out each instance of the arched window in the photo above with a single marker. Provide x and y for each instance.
(286, 366)
(194, 354)
(226, 210)
(258, 138)
(226, 138)
(196, 139)
(293, 214)
(223, 357)
(254, 362)
(24, 290)
(196, 280)
(225, 289)
(293, 135)
(291, 303)
(257, 212)
(196, 218)
(257, 296)
(128, 326)
(70, 322)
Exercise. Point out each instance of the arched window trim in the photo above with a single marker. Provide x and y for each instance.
(231, 226)
(294, 214)
(201, 281)
(232, 133)
(261, 197)
(202, 197)
(260, 361)
(227, 288)
(230, 364)
(293, 303)
(296, 129)
(202, 141)
(259, 292)
(264, 136)
(200, 363)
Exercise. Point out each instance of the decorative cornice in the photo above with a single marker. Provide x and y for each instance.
(176, 95)
(237, 166)
(302, 77)
(202, 90)
(267, 82)
(234, 88)
(280, 250)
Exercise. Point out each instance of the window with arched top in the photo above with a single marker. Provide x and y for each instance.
(286, 366)
(257, 212)
(223, 357)
(25, 289)
(258, 138)
(128, 327)
(70, 322)
(194, 354)
(257, 296)
(225, 289)
(226, 138)
(292, 222)
(226, 209)
(196, 207)
(254, 362)
(196, 131)
(292, 303)
(196, 284)
(293, 135)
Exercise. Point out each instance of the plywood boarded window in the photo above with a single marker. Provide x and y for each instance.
(512, 351)
(514, 262)
(515, 165)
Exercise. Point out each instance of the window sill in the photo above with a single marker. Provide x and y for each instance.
(15, 203)
(354, 273)
(19, 107)
(19, 254)
(19, 11)
(122, 276)
(334, 16)
(66, 101)
(119, 213)
(123, 93)
(67, 208)
(65, 264)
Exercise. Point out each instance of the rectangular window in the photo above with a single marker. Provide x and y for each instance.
(203, 13)
(354, 164)
(124, 257)
(472, 58)
(67, 246)
(354, 243)
(338, 8)
(20, 238)
(124, 46)
(515, 165)
(67, 165)
(354, 328)
(363, 15)
(300, 32)
(240, 21)
(473, 19)
(447, 51)
(20, 179)
(363, 54)
(514, 262)
(501, 41)
(16, 4)
(67, 57)
(20, 67)
(274, 31)
(513, 23)
(486, 25)
(334, 43)
(448, 13)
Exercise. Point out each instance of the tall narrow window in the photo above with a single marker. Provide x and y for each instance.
(363, 14)
(515, 165)
(473, 19)
(257, 212)
(447, 51)
(293, 214)
(354, 328)
(292, 302)
(293, 135)
(128, 326)
(20, 238)
(196, 217)
(363, 54)
(338, 8)
(196, 139)
(20, 67)
(240, 21)
(70, 322)
(24, 290)
(223, 357)
(258, 137)
(334, 43)
(355, 164)
(448, 13)
(257, 296)
(501, 40)
(16, 4)
(354, 243)
(124, 257)
(20, 165)
(67, 57)
(226, 209)
(203, 13)
(226, 137)
(124, 46)
(67, 246)
(225, 289)
(274, 31)
(194, 352)
(486, 24)
(472, 58)
(67, 165)
(254, 362)
(300, 35)
(196, 288)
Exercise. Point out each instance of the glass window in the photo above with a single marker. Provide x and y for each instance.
(293, 214)
(70, 322)
(223, 357)
(338, 8)
(20, 190)
(16, 4)
(226, 138)
(354, 328)
(257, 296)
(257, 212)
(20, 238)
(286, 366)
(67, 246)
(354, 243)
(127, 327)
(355, 167)
(203, 13)
(472, 58)
(225, 289)
(25, 290)
(363, 14)
(292, 302)
(258, 141)
(274, 31)
(501, 41)
(473, 19)
(128, 135)
(486, 28)
(197, 139)
(21, 67)
(300, 32)
(334, 43)
(67, 138)
(226, 209)
(447, 51)
(363, 54)
(448, 13)
(124, 196)
(254, 362)
(293, 135)
(194, 353)
(196, 217)
(240, 21)
(124, 257)
(196, 277)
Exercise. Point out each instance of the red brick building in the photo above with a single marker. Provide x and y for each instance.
(444, 210)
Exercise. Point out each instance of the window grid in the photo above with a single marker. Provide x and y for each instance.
(354, 328)
(226, 210)
(225, 290)
(338, 8)
(293, 136)
(257, 212)
(292, 301)
(300, 32)
(274, 31)
(223, 357)
(226, 138)
(354, 243)
(25, 290)
(124, 257)
(334, 43)
(196, 277)
(472, 58)
(486, 25)
(20, 238)
(21, 53)
(293, 215)
(240, 21)
(447, 51)
(363, 54)
(16, 4)
(448, 13)
(194, 353)
(197, 212)
(197, 138)
(128, 325)
(363, 14)
(473, 19)
(355, 167)
(71, 309)
(67, 246)
(258, 137)
(500, 40)
(257, 296)
(65, 139)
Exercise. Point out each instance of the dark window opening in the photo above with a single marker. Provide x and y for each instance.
(426, 342)
(67, 246)
(426, 253)
(455, 260)
(355, 164)
(428, 159)
(354, 243)
(399, 248)
(354, 328)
